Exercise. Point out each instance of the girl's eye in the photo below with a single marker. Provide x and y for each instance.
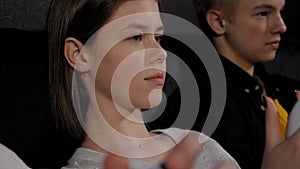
(136, 38)
(158, 38)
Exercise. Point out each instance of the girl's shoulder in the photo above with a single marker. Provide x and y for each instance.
(211, 155)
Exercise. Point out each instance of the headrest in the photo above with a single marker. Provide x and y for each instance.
(27, 15)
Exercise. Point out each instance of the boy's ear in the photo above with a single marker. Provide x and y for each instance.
(215, 20)
(73, 55)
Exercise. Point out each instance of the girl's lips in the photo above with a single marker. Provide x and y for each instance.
(157, 79)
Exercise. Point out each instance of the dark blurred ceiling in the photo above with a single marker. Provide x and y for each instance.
(31, 14)
(24, 14)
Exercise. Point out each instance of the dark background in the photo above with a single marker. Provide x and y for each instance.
(31, 14)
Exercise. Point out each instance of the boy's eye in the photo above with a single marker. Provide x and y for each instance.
(136, 38)
(265, 13)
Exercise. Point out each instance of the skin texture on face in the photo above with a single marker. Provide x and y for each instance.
(138, 51)
(253, 34)
(124, 68)
(121, 66)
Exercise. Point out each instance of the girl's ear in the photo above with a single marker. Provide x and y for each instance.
(73, 55)
(216, 21)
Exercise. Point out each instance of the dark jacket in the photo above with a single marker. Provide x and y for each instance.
(241, 130)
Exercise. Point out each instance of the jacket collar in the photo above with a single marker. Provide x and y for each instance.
(238, 78)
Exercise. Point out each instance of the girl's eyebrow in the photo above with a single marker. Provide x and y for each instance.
(143, 27)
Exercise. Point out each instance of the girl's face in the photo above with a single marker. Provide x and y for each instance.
(132, 70)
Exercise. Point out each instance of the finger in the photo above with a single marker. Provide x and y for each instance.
(298, 94)
(185, 153)
(295, 137)
(114, 161)
(273, 135)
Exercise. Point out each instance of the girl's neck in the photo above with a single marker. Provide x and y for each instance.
(108, 116)
(106, 124)
(121, 130)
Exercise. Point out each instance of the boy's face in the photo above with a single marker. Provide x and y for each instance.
(253, 33)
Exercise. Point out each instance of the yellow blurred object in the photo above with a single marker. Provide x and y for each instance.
(283, 118)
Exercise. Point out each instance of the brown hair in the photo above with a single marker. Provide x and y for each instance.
(79, 19)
